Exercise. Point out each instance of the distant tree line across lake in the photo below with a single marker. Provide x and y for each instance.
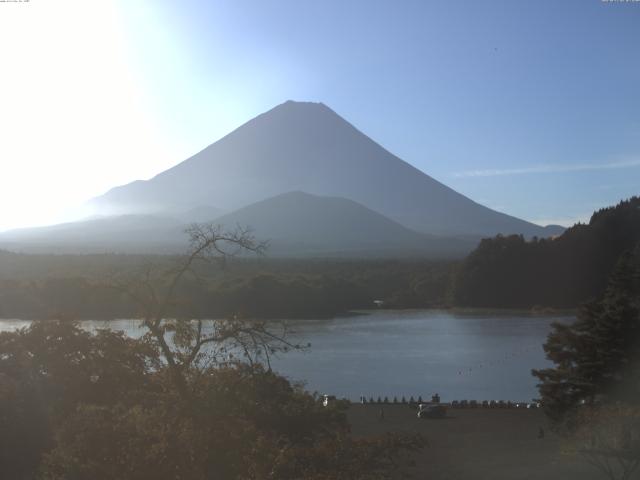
(43, 286)
(503, 272)
(561, 272)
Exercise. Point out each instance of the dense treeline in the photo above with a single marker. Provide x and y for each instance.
(48, 286)
(559, 272)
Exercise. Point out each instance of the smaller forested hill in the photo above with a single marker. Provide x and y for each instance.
(559, 272)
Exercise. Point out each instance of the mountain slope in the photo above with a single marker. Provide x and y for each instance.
(121, 233)
(298, 223)
(295, 224)
(307, 147)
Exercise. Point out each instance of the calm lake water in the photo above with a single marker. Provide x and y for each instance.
(460, 355)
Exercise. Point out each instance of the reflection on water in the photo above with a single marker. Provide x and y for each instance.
(481, 355)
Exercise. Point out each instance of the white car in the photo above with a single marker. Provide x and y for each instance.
(432, 410)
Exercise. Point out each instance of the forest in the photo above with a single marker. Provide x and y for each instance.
(83, 286)
(502, 272)
(562, 272)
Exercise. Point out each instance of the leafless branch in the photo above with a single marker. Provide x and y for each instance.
(155, 292)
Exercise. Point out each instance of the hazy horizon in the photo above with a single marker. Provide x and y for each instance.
(529, 109)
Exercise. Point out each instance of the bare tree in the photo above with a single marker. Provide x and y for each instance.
(193, 342)
(608, 437)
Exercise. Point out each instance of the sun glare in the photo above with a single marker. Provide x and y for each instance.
(73, 111)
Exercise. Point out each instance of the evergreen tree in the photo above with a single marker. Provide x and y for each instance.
(597, 358)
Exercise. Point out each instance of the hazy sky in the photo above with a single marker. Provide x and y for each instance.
(529, 107)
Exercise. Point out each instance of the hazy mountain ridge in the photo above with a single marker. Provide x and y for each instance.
(118, 233)
(294, 224)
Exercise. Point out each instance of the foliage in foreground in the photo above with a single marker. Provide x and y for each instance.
(175, 404)
(76, 405)
(608, 437)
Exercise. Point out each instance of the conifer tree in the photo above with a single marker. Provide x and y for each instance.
(597, 358)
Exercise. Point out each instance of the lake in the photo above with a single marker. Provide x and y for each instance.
(459, 354)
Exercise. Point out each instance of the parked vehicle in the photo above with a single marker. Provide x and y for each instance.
(432, 410)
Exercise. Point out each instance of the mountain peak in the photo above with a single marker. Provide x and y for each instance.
(303, 108)
(306, 146)
(298, 103)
